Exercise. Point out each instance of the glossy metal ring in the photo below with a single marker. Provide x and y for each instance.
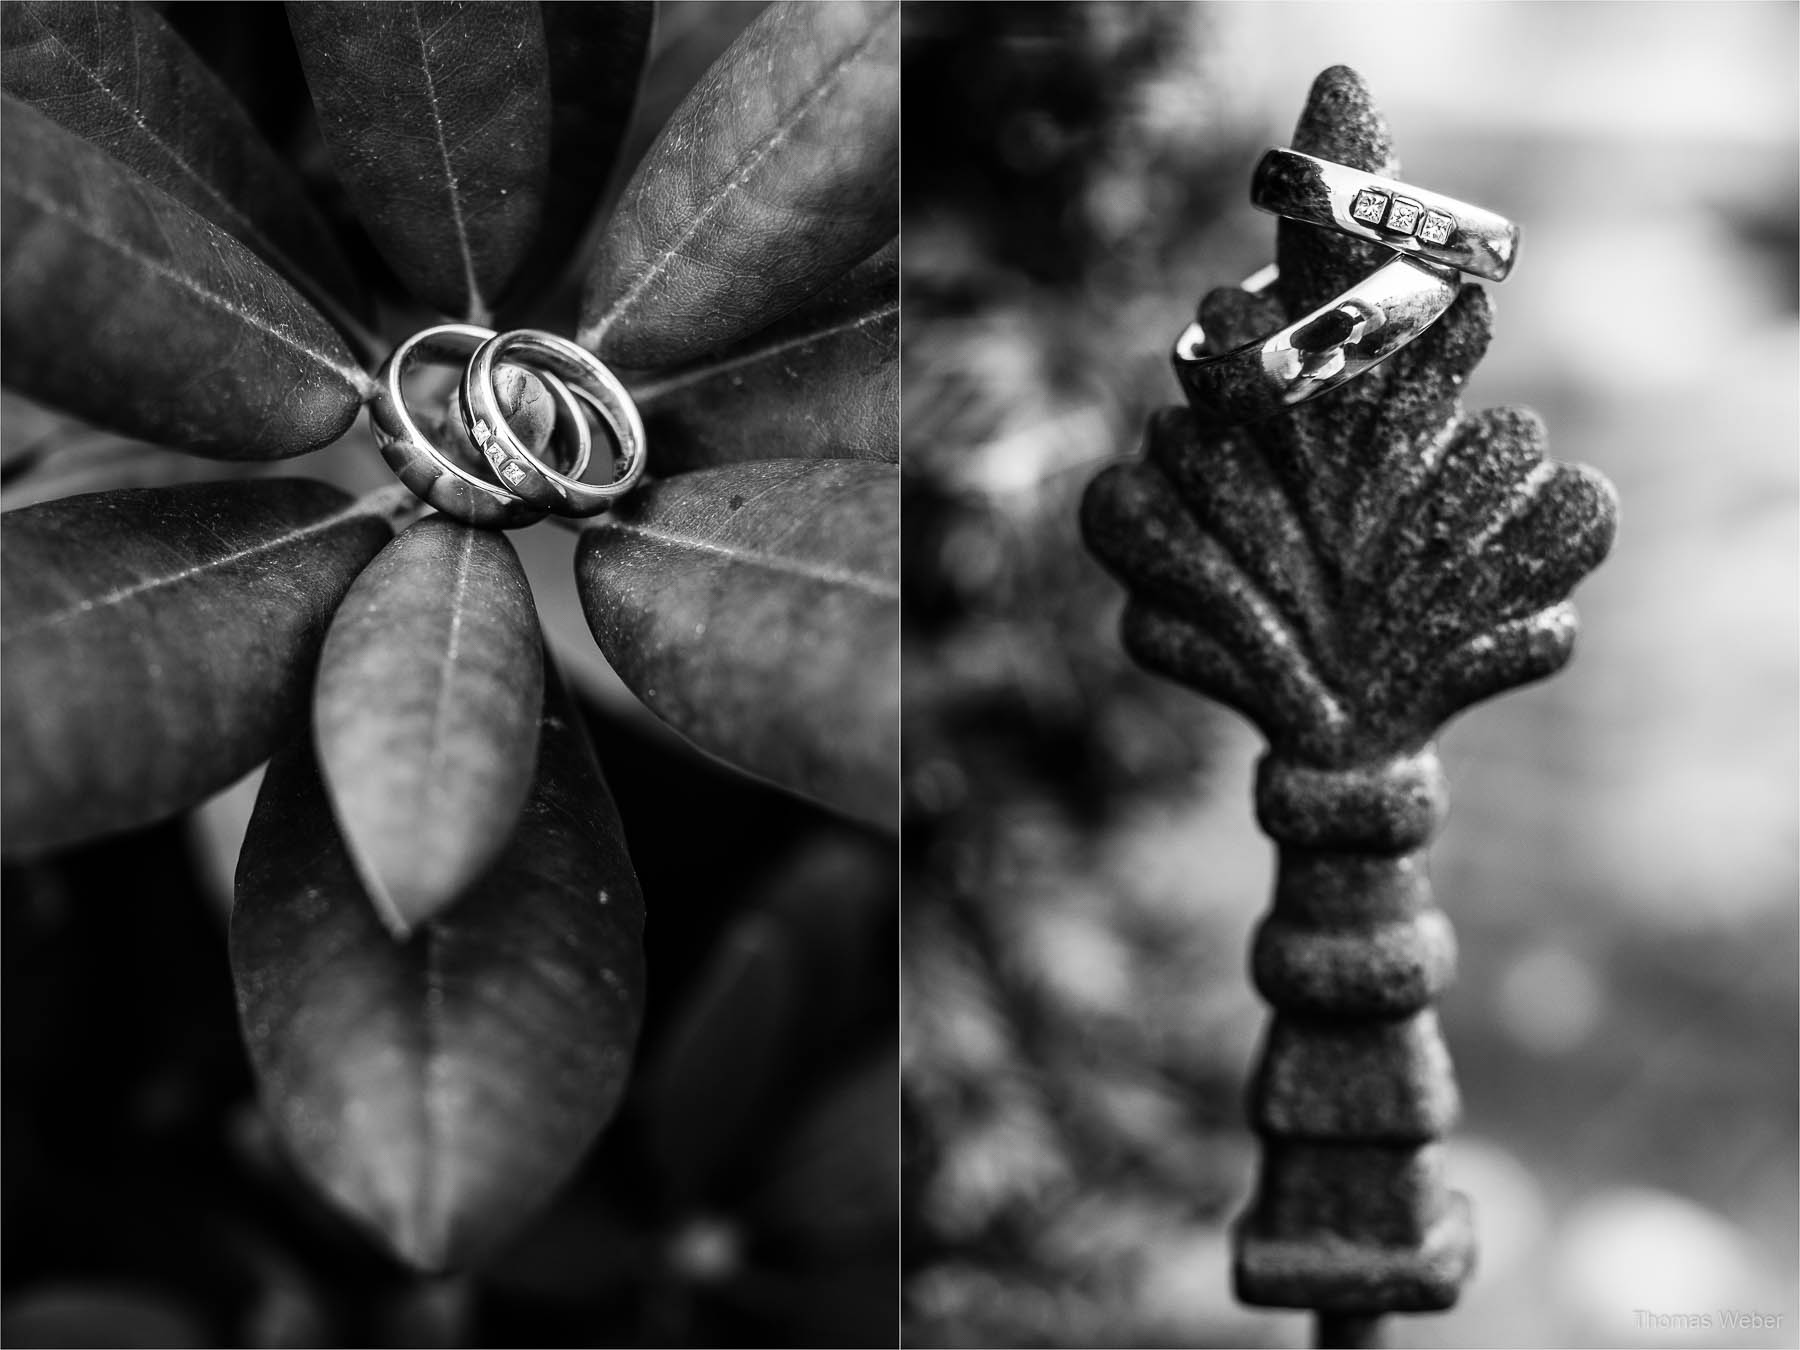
(1334, 344)
(518, 468)
(431, 474)
(1409, 220)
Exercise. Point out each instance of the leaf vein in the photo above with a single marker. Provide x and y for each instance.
(359, 380)
(129, 111)
(246, 225)
(821, 572)
(684, 379)
(440, 711)
(477, 311)
(432, 1073)
(724, 192)
(121, 594)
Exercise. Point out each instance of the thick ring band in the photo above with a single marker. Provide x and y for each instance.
(1409, 220)
(1335, 343)
(519, 469)
(434, 477)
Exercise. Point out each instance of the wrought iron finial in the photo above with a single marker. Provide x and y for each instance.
(1349, 575)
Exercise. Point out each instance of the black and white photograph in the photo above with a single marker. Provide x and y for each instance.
(1090, 674)
(1350, 757)
(451, 882)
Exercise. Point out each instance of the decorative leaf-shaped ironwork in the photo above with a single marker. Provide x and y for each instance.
(1349, 575)
(1354, 572)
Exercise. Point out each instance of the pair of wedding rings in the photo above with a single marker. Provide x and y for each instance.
(524, 488)
(1436, 239)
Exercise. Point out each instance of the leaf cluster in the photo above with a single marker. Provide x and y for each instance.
(437, 940)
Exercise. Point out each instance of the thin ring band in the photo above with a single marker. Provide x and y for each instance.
(525, 473)
(1334, 344)
(1409, 220)
(433, 477)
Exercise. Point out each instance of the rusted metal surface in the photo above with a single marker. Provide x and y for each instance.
(1349, 575)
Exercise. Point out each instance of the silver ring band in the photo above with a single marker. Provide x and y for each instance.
(523, 472)
(432, 475)
(1334, 344)
(1409, 220)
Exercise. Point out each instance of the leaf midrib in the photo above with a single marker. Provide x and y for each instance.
(441, 704)
(249, 227)
(246, 227)
(787, 566)
(434, 1065)
(477, 313)
(828, 79)
(699, 374)
(358, 380)
(121, 594)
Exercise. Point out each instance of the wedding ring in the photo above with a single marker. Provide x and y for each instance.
(1409, 220)
(431, 474)
(1335, 343)
(588, 376)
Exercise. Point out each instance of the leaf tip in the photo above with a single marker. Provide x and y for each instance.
(407, 892)
(413, 1223)
(422, 1240)
(400, 913)
(392, 915)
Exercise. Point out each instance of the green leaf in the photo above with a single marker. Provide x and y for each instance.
(755, 609)
(156, 644)
(126, 308)
(824, 383)
(426, 714)
(597, 56)
(438, 119)
(775, 176)
(440, 1090)
(118, 76)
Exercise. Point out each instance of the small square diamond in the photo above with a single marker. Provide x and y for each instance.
(1369, 206)
(1436, 227)
(480, 432)
(1403, 215)
(512, 473)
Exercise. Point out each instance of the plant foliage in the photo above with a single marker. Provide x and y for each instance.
(437, 938)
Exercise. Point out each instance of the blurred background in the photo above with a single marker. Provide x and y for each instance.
(1082, 870)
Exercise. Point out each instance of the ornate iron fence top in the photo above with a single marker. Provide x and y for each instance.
(1349, 574)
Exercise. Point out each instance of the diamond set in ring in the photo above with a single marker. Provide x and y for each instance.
(1436, 227)
(1402, 215)
(1370, 206)
(509, 469)
(1410, 220)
